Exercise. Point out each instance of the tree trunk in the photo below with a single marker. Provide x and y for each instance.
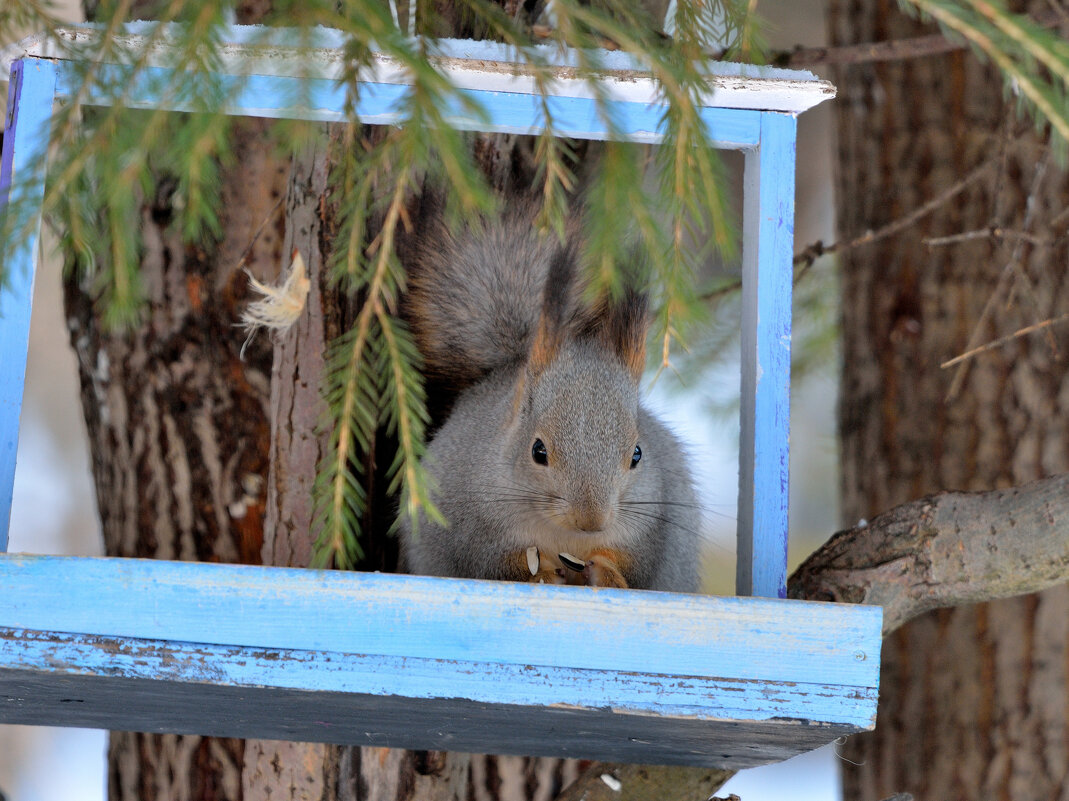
(972, 699)
(197, 454)
(316, 771)
(178, 431)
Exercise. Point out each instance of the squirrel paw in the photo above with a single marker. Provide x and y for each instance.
(550, 576)
(539, 574)
(601, 569)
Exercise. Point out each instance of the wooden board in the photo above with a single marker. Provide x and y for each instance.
(484, 66)
(430, 663)
(268, 74)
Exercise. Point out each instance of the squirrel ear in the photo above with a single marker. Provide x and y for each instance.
(553, 322)
(622, 326)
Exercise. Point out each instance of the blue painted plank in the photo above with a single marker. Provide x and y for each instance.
(381, 104)
(77, 680)
(450, 619)
(625, 692)
(22, 181)
(419, 662)
(768, 242)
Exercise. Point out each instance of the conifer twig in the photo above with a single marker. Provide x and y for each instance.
(995, 233)
(997, 343)
(812, 252)
(1009, 272)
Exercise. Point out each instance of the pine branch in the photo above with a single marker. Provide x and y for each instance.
(1015, 45)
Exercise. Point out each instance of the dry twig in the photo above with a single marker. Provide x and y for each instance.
(1011, 273)
(998, 343)
(811, 253)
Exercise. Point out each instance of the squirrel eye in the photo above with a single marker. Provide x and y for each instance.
(636, 456)
(539, 453)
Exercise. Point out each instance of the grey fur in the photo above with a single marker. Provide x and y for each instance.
(584, 405)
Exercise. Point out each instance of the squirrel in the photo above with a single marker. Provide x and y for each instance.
(548, 468)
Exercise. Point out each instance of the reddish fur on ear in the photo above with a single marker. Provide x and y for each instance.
(553, 322)
(544, 348)
(624, 331)
(620, 327)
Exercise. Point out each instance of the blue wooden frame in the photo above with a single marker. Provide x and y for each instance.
(767, 138)
(69, 626)
(235, 650)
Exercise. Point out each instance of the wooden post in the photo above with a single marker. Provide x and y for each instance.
(764, 448)
(22, 188)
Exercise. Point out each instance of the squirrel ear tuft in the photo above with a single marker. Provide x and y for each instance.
(622, 327)
(557, 311)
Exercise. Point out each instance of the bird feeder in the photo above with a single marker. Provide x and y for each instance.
(440, 663)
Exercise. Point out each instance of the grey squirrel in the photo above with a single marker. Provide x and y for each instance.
(548, 467)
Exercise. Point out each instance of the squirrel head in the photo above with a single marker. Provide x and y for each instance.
(577, 431)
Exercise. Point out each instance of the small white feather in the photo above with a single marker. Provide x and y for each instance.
(279, 307)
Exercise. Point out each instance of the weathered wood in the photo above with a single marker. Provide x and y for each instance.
(946, 550)
(22, 168)
(168, 687)
(207, 700)
(421, 662)
(482, 65)
(764, 441)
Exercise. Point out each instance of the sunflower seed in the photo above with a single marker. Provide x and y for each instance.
(571, 562)
(532, 560)
(612, 782)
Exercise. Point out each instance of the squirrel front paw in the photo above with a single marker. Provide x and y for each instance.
(602, 568)
(539, 569)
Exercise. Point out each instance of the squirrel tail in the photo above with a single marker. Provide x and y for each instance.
(475, 293)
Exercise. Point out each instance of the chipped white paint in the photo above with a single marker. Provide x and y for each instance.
(484, 66)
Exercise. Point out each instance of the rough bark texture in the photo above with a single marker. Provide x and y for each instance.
(178, 433)
(946, 550)
(973, 698)
(297, 771)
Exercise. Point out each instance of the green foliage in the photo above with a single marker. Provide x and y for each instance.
(108, 158)
(27, 15)
(1033, 60)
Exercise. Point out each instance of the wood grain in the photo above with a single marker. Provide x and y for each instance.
(418, 662)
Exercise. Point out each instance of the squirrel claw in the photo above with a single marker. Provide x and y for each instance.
(601, 571)
(549, 576)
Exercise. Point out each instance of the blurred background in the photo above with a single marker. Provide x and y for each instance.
(54, 510)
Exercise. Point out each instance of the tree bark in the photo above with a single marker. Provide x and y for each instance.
(946, 550)
(601, 782)
(972, 698)
(311, 770)
(178, 432)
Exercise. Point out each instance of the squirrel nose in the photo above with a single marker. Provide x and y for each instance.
(591, 515)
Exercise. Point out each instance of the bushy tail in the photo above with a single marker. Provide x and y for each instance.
(475, 294)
